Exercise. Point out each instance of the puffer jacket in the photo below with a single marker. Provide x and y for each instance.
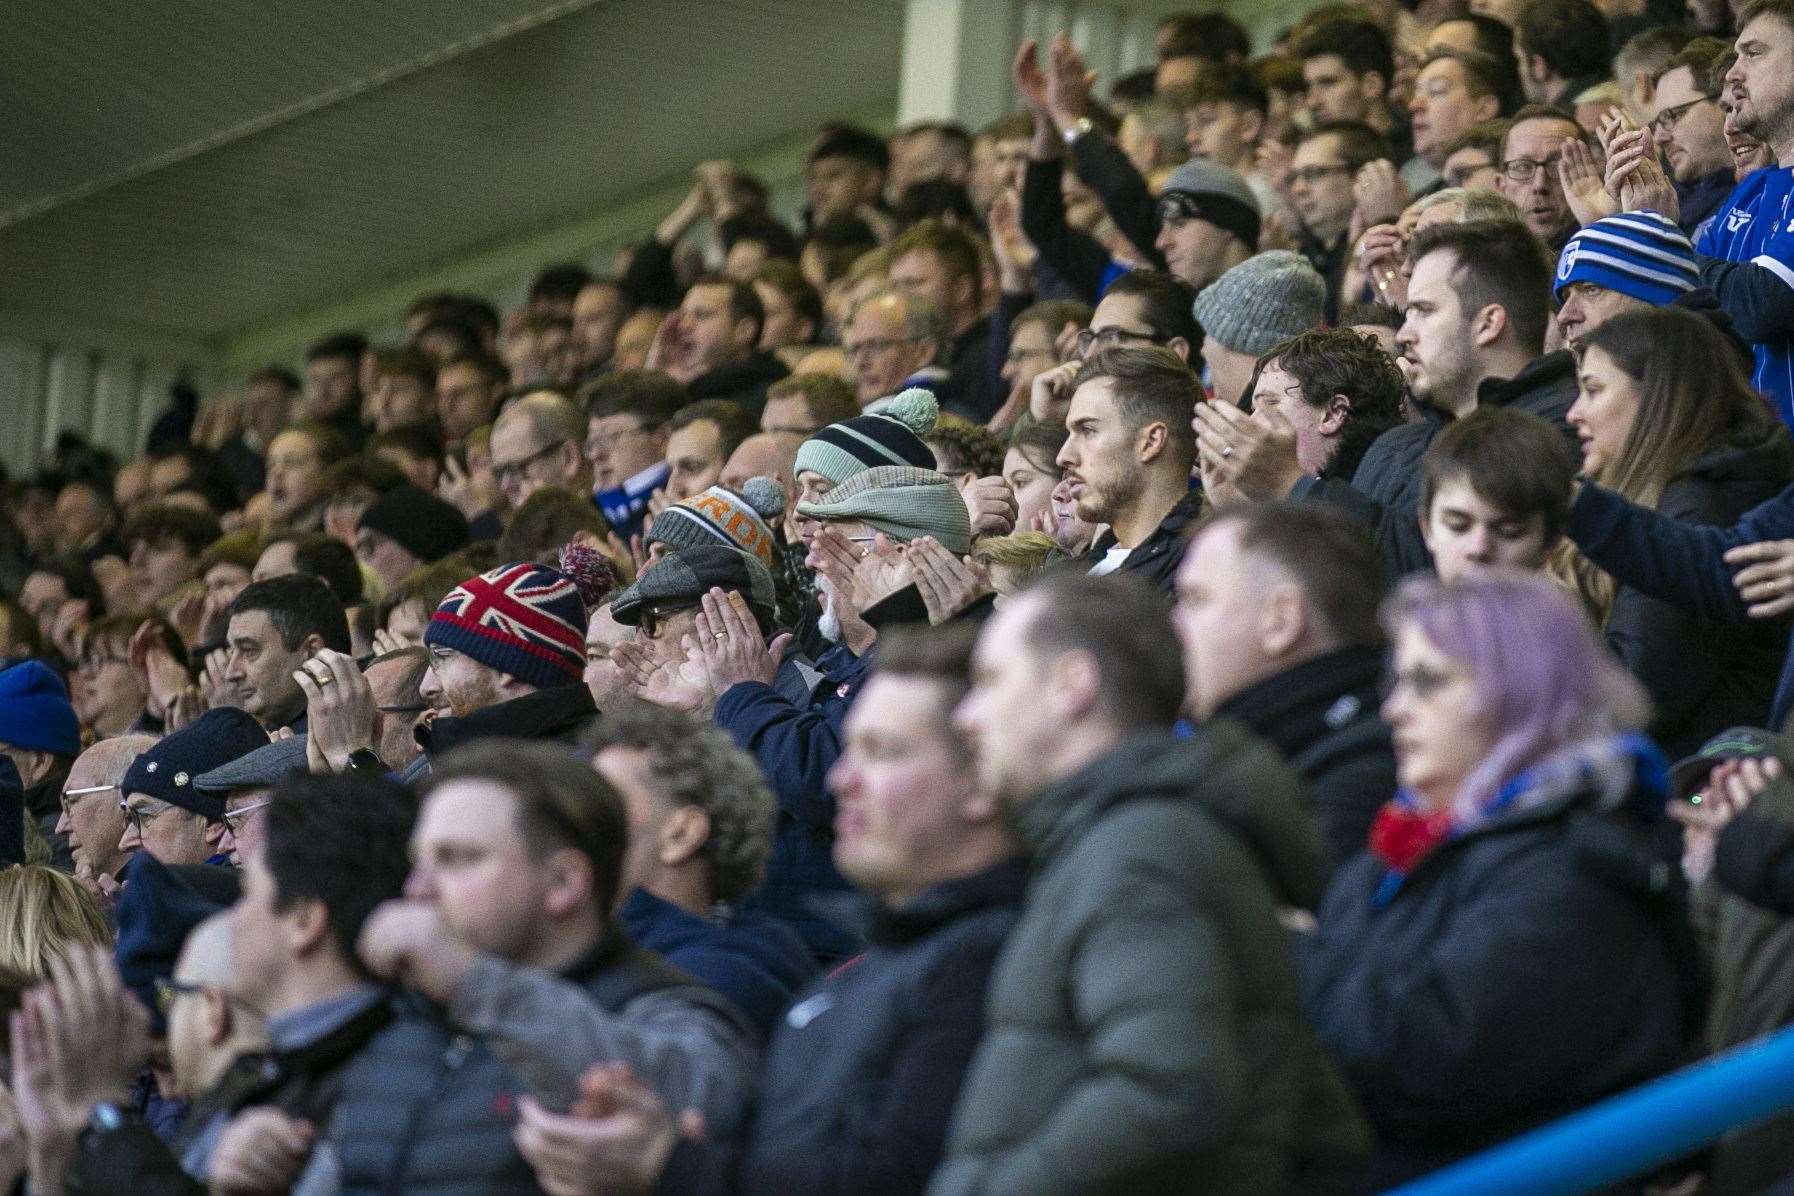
(1144, 1026)
(1518, 972)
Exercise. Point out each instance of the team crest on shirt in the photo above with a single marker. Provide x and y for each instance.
(1735, 220)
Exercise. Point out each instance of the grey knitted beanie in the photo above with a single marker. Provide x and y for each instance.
(1262, 302)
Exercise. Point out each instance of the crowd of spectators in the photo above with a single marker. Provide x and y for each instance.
(1227, 631)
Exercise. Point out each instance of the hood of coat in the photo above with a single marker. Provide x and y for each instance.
(1234, 778)
(1756, 457)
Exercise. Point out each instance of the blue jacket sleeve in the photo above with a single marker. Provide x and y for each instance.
(1758, 295)
(1680, 563)
(795, 746)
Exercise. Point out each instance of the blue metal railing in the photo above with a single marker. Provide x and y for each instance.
(1633, 1133)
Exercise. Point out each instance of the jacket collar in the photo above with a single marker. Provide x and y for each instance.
(545, 714)
(1171, 530)
(1305, 701)
(1538, 374)
(1001, 884)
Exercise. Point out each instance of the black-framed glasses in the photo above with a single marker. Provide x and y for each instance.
(137, 817)
(1314, 174)
(605, 442)
(1418, 680)
(1108, 338)
(655, 615)
(1665, 121)
(876, 344)
(516, 469)
(1524, 170)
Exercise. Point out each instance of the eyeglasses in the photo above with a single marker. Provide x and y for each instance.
(1108, 338)
(602, 443)
(1314, 174)
(68, 806)
(1665, 121)
(516, 469)
(234, 819)
(137, 816)
(1522, 170)
(1419, 681)
(876, 344)
(655, 615)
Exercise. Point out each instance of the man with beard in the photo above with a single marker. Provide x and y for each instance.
(507, 653)
(1750, 237)
(1128, 458)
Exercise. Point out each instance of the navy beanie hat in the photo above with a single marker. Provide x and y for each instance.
(35, 712)
(422, 524)
(157, 910)
(169, 770)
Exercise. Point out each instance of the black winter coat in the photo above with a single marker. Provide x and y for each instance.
(1512, 978)
(1390, 472)
(1323, 716)
(1156, 558)
(1704, 676)
(863, 1070)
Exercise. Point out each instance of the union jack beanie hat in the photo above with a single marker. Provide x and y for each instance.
(525, 620)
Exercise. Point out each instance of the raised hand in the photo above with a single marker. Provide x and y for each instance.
(617, 1138)
(1378, 193)
(948, 584)
(261, 1151)
(1050, 396)
(1068, 82)
(1253, 456)
(339, 710)
(1766, 580)
(990, 504)
(1585, 190)
(1030, 80)
(732, 646)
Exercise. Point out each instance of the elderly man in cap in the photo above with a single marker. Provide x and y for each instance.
(167, 815)
(858, 528)
(245, 785)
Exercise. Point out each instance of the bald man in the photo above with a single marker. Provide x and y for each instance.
(206, 1028)
(763, 455)
(91, 817)
(538, 442)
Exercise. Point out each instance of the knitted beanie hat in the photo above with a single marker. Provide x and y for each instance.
(1212, 192)
(422, 524)
(169, 770)
(1641, 254)
(888, 432)
(35, 712)
(1262, 302)
(721, 516)
(525, 620)
(901, 501)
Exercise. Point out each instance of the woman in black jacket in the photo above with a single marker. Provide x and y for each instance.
(1667, 418)
(1498, 958)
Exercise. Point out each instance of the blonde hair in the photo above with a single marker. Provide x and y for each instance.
(43, 914)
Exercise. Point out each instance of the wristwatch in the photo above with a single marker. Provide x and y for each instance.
(1077, 130)
(368, 761)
